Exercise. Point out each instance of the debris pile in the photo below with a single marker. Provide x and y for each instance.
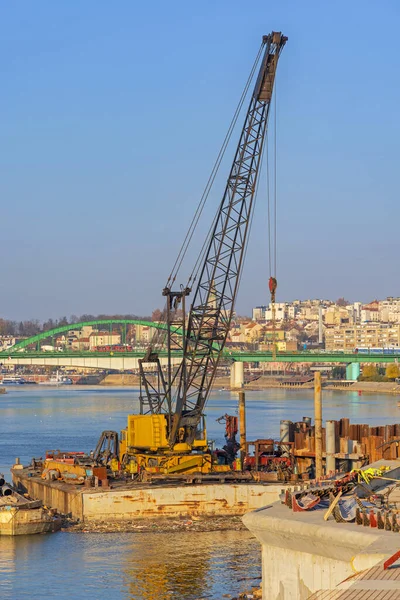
(159, 525)
(366, 497)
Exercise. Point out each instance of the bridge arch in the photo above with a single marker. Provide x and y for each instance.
(63, 328)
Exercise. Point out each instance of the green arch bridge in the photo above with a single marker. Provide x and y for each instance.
(20, 353)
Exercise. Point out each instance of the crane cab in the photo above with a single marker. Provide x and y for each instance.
(149, 433)
(144, 447)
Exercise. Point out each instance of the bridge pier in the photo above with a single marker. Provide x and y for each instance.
(237, 374)
(352, 371)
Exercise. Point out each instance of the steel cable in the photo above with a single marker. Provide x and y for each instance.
(275, 183)
(185, 245)
(203, 251)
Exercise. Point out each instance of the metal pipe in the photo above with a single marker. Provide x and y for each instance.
(239, 374)
(330, 466)
(318, 424)
(242, 423)
(6, 491)
(232, 375)
(284, 435)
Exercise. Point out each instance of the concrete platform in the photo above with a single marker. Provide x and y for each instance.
(124, 502)
(302, 553)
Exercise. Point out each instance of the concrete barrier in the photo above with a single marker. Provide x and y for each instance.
(302, 553)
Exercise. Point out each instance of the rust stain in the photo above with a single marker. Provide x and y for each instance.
(141, 499)
(223, 501)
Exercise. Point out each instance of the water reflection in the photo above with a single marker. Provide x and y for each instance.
(191, 566)
(182, 565)
(7, 565)
(156, 566)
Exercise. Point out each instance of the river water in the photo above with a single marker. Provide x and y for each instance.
(139, 566)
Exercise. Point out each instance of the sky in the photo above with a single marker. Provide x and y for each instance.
(111, 117)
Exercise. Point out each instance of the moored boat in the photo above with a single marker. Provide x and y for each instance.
(22, 516)
(57, 380)
(12, 380)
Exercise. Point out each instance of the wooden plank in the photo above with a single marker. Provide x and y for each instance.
(332, 506)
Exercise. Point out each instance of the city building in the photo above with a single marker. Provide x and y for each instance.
(362, 335)
(103, 338)
(259, 313)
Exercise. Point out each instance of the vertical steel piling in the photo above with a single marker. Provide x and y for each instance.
(242, 423)
(318, 424)
(330, 447)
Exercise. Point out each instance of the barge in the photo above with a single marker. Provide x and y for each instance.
(20, 515)
(94, 488)
(126, 500)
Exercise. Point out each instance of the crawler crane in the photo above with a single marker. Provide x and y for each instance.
(169, 435)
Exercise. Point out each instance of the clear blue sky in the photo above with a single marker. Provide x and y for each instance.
(111, 115)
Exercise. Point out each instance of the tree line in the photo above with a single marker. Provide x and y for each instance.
(34, 326)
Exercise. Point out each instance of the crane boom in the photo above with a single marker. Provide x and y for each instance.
(214, 298)
(182, 392)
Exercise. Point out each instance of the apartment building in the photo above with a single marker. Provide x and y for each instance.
(389, 310)
(104, 338)
(362, 335)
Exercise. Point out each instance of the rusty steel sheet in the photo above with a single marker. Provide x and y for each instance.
(177, 501)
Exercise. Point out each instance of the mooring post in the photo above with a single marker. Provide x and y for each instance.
(242, 424)
(330, 465)
(284, 434)
(318, 424)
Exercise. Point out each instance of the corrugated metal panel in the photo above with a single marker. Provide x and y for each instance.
(373, 584)
(356, 595)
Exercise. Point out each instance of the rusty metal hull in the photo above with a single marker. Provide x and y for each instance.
(19, 521)
(127, 502)
(196, 500)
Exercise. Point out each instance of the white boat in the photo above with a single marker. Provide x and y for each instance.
(12, 380)
(57, 380)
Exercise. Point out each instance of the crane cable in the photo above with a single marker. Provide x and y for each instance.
(202, 254)
(272, 233)
(192, 227)
(158, 340)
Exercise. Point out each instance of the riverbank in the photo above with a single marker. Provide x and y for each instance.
(266, 383)
(371, 387)
(159, 525)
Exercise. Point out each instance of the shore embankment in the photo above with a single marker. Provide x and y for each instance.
(127, 379)
(268, 382)
(372, 387)
(159, 525)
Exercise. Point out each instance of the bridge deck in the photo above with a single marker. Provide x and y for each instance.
(304, 356)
